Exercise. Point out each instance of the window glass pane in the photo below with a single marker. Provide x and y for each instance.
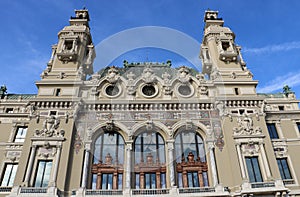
(196, 179)
(256, 169)
(147, 181)
(94, 181)
(191, 142)
(43, 173)
(153, 180)
(250, 170)
(40, 174)
(120, 181)
(272, 130)
(21, 134)
(109, 144)
(190, 179)
(104, 181)
(9, 174)
(253, 169)
(109, 181)
(298, 125)
(180, 185)
(205, 178)
(13, 174)
(97, 150)
(47, 172)
(112, 144)
(178, 149)
(145, 144)
(137, 181)
(284, 168)
(163, 180)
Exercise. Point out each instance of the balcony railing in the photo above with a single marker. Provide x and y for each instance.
(288, 181)
(150, 191)
(90, 192)
(32, 190)
(5, 189)
(196, 190)
(262, 185)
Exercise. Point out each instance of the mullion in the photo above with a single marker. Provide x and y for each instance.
(142, 147)
(101, 148)
(117, 146)
(157, 147)
(181, 145)
(196, 144)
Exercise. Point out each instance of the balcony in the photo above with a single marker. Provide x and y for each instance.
(90, 192)
(32, 191)
(149, 191)
(269, 188)
(172, 192)
(5, 189)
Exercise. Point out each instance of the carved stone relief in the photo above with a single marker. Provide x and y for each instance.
(245, 127)
(50, 126)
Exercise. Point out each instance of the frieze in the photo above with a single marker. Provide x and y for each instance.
(132, 115)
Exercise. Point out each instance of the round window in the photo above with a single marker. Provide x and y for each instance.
(185, 90)
(112, 90)
(149, 90)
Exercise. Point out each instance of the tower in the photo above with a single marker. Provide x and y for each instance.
(71, 59)
(222, 60)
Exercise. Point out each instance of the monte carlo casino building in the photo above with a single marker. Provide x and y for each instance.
(148, 129)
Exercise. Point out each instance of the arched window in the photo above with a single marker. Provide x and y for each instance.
(108, 160)
(191, 165)
(149, 160)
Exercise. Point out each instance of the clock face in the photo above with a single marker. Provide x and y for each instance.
(112, 90)
(148, 90)
(184, 90)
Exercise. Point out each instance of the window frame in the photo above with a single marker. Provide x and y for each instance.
(44, 182)
(284, 172)
(256, 172)
(22, 137)
(12, 174)
(272, 130)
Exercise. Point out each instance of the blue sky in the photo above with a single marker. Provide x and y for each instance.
(268, 32)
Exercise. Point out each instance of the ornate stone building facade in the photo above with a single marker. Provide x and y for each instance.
(147, 128)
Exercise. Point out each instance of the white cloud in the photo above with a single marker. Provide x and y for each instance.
(274, 48)
(290, 79)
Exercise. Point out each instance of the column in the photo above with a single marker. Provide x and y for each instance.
(264, 158)
(30, 165)
(55, 167)
(170, 145)
(85, 168)
(128, 165)
(241, 161)
(213, 163)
